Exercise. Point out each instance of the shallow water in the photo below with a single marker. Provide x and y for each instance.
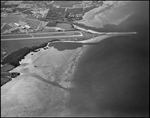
(112, 76)
(54, 68)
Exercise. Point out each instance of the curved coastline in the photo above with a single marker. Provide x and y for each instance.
(60, 78)
(15, 57)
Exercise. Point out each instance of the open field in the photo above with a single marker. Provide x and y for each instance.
(16, 18)
(66, 3)
(5, 27)
(21, 9)
(62, 10)
(33, 23)
(13, 2)
(11, 18)
(6, 6)
(28, 11)
(88, 9)
(65, 26)
(74, 10)
(56, 12)
(2, 25)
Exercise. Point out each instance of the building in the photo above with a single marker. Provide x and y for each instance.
(17, 24)
(74, 13)
(23, 25)
(33, 23)
(27, 26)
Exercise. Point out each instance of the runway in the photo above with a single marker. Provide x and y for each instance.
(40, 35)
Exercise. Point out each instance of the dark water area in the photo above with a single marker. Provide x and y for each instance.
(112, 77)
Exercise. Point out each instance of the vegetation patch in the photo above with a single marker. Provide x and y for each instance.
(5, 27)
(51, 24)
(66, 3)
(65, 26)
(11, 18)
(74, 11)
(21, 9)
(56, 13)
(32, 23)
(88, 9)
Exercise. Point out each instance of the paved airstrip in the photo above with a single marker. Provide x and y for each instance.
(40, 35)
(74, 34)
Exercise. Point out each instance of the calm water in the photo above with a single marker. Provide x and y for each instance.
(112, 77)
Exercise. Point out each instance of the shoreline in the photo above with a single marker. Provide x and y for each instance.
(29, 63)
(72, 67)
(15, 57)
(49, 88)
(92, 40)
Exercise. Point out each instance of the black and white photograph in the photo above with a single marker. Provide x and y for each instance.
(74, 58)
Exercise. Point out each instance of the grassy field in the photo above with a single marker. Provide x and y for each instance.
(62, 10)
(7, 6)
(65, 26)
(28, 11)
(33, 23)
(13, 2)
(5, 27)
(88, 9)
(11, 18)
(56, 12)
(2, 25)
(74, 11)
(21, 9)
(66, 3)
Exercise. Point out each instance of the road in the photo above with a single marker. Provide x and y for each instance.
(40, 35)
